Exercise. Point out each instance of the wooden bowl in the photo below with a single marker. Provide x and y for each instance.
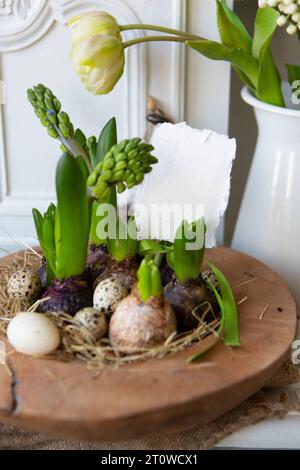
(166, 395)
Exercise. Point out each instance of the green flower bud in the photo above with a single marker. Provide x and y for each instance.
(118, 176)
(98, 168)
(133, 154)
(120, 157)
(52, 133)
(92, 179)
(100, 188)
(52, 116)
(130, 179)
(57, 105)
(65, 131)
(120, 166)
(121, 187)
(139, 178)
(108, 164)
(105, 176)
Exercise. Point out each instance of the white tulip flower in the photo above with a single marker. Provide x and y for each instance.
(97, 50)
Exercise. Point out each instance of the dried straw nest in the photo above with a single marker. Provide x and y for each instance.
(78, 342)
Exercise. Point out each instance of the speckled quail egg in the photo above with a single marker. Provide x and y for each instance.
(93, 320)
(209, 276)
(25, 285)
(109, 293)
(33, 333)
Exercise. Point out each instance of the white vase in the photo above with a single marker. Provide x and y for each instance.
(268, 225)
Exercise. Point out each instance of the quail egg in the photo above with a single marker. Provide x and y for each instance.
(209, 276)
(25, 285)
(109, 293)
(93, 320)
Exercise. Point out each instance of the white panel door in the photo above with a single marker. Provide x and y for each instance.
(34, 48)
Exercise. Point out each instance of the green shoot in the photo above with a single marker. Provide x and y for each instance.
(149, 280)
(187, 253)
(107, 139)
(151, 247)
(123, 244)
(72, 218)
(63, 232)
(44, 225)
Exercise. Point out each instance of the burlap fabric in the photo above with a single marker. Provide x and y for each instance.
(256, 409)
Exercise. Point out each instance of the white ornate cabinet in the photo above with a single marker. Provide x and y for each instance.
(34, 45)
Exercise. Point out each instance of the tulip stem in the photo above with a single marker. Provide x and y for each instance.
(161, 29)
(153, 39)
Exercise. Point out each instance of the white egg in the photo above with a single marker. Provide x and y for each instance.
(109, 293)
(93, 320)
(33, 334)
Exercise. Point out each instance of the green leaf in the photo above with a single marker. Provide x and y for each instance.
(80, 137)
(264, 29)
(244, 79)
(228, 309)
(91, 144)
(232, 31)
(293, 72)
(96, 219)
(170, 259)
(49, 244)
(269, 81)
(187, 260)
(72, 225)
(38, 222)
(83, 167)
(150, 247)
(132, 243)
(247, 64)
(107, 139)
